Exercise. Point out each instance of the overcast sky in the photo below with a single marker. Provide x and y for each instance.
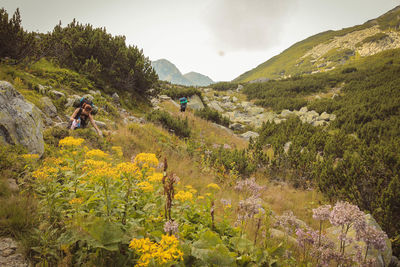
(218, 38)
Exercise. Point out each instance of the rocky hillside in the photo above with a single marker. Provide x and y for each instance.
(167, 71)
(328, 50)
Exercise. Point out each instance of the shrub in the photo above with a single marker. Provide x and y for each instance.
(212, 115)
(178, 126)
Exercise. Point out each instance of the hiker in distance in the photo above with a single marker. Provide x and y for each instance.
(183, 101)
(84, 113)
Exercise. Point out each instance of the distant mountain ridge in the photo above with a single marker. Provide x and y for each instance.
(327, 50)
(167, 71)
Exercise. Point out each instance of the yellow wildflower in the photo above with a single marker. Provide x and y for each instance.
(146, 186)
(162, 253)
(117, 150)
(44, 172)
(191, 189)
(156, 177)
(76, 201)
(127, 168)
(146, 160)
(30, 156)
(53, 161)
(213, 186)
(200, 197)
(183, 196)
(96, 153)
(70, 141)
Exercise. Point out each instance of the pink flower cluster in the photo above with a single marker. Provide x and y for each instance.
(249, 186)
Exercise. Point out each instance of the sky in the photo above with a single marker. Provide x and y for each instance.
(218, 38)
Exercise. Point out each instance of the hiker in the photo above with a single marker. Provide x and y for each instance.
(183, 101)
(82, 114)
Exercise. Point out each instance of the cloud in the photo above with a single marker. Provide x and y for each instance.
(247, 24)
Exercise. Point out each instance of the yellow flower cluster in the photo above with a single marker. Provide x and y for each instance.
(117, 150)
(98, 168)
(213, 186)
(76, 201)
(156, 177)
(96, 153)
(70, 141)
(146, 160)
(44, 172)
(162, 253)
(30, 156)
(146, 186)
(183, 195)
(52, 161)
(191, 189)
(127, 168)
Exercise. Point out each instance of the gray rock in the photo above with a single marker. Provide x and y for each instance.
(226, 98)
(382, 258)
(228, 105)
(239, 88)
(287, 146)
(278, 121)
(286, 113)
(134, 119)
(335, 96)
(324, 116)
(303, 110)
(254, 110)
(56, 94)
(246, 104)
(215, 105)
(101, 125)
(71, 100)
(92, 92)
(332, 117)
(236, 126)
(195, 103)
(260, 80)
(234, 99)
(48, 107)
(164, 98)
(115, 97)
(88, 97)
(20, 121)
(318, 123)
(249, 134)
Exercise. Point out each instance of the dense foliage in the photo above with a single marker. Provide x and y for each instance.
(212, 115)
(357, 156)
(177, 91)
(103, 58)
(223, 86)
(176, 125)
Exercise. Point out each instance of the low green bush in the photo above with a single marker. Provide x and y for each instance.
(212, 115)
(176, 125)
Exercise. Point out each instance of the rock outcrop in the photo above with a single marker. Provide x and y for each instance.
(20, 121)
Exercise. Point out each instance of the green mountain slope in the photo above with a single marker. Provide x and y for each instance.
(328, 50)
(198, 79)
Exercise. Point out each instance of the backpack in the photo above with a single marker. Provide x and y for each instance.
(78, 103)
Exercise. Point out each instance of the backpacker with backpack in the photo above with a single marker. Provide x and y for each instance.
(78, 103)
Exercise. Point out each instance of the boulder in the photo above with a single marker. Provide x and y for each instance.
(303, 110)
(115, 97)
(382, 258)
(324, 116)
(71, 100)
(215, 105)
(236, 126)
(254, 110)
(318, 123)
(56, 94)
(88, 97)
(332, 117)
(234, 99)
(48, 107)
(249, 134)
(92, 92)
(164, 98)
(286, 113)
(239, 88)
(287, 146)
(20, 121)
(195, 102)
(101, 125)
(246, 104)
